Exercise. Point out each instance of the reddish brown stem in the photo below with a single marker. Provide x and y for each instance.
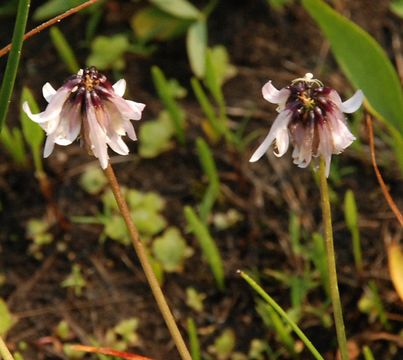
(108, 351)
(49, 23)
(382, 184)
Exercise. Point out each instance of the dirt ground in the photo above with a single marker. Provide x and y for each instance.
(263, 44)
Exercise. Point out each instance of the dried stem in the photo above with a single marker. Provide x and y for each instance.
(4, 352)
(142, 255)
(331, 263)
(382, 184)
(49, 23)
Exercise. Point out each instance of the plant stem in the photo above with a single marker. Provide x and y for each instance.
(13, 59)
(331, 263)
(142, 255)
(4, 352)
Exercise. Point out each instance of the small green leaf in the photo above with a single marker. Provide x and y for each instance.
(152, 23)
(156, 136)
(207, 244)
(93, 180)
(63, 48)
(363, 61)
(7, 319)
(194, 299)
(148, 222)
(196, 42)
(223, 69)
(115, 228)
(107, 52)
(224, 345)
(178, 8)
(170, 250)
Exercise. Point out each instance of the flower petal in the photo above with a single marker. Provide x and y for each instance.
(97, 136)
(48, 92)
(351, 105)
(282, 142)
(49, 146)
(120, 87)
(271, 94)
(279, 124)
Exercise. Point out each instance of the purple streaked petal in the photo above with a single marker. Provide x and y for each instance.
(271, 94)
(279, 124)
(341, 135)
(120, 87)
(97, 136)
(48, 92)
(351, 105)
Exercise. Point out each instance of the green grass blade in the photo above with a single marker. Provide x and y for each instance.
(206, 106)
(207, 244)
(13, 142)
(196, 43)
(283, 314)
(367, 353)
(351, 218)
(210, 169)
(193, 340)
(64, 50)
(164, 92)
(13, 59)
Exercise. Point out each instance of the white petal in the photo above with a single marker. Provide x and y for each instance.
(53, 109)
(97, 136)
(49, 146)
(118, 145)
(351, 105)
(282, 142)
(341, 135)
(128, 126)
(120, 87)
(279, 124)
(271, 94)
(48, 91)
(137, 108)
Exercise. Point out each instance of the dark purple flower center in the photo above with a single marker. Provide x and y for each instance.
(309, 101)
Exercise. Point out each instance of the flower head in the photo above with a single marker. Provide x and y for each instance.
(311, 115)
(89, 106)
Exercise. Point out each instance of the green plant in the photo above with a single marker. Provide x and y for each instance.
(75, 280)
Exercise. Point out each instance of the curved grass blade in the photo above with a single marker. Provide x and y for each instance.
(283, 314)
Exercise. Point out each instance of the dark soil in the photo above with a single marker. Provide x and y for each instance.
(263, 44)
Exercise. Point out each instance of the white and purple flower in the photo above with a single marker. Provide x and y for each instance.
(311, 115)
(89, 106)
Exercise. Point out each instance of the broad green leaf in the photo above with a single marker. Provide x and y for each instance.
(179, 8)
(224, 344)
(63, 48)
(13, 142)
(7, 319)
(170, 250)
(196, 43)
(207, 244)
(396, 6)
(363, 61)
(107, 52)
(54, 7)
(156, 136)
(152, 23)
